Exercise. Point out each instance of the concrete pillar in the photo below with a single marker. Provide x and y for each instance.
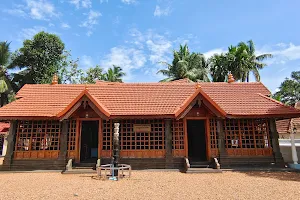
(221, 137)
(10, 144)
(275, 143)
(168, 143)
(4, 148)
(293, 147)
(63, 147)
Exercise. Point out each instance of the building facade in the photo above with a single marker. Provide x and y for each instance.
(160, 124)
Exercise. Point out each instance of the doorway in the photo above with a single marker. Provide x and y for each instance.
(196, 140)
(89, 141)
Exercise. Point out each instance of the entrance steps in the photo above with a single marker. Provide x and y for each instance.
(81, 168)
(201, 167)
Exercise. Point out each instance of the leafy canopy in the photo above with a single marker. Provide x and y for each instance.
(186, 65)
(289, 90)
(39, 59)
(240, 60)
(114, 74)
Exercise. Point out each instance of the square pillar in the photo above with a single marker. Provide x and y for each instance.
(168, 143)
(10, 144)
(275, 143)
(63, 143)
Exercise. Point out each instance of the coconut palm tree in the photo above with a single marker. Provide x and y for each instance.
(114, 74)
(256, 62)
(5, 85)
(186, 65)
(240, 60)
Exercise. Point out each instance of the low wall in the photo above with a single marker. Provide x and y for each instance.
(285, 148)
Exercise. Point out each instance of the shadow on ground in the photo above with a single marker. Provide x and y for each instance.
(284, 175)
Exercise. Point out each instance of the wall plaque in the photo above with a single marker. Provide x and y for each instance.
(142, 128)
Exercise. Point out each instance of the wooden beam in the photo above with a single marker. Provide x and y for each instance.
(71, 111)
(187, 110)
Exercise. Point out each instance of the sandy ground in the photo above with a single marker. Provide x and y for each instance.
(152, 185)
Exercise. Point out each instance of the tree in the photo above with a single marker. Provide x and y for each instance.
(68, 72)
(218, 68)
(39, 59)
(186, 65)
(5, 85)
(114, 74)
(93, 74)
(240, 60)
(289, 90)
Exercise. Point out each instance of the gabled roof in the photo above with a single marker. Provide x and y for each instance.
(147, 99)
(94, 100)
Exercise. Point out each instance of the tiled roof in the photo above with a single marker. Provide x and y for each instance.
(283, 126)
(125, 99)
(4, 127)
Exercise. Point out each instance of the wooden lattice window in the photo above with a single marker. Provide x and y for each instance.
(72, 135)
(213, 134)
(131, 140)
(246, 133)
(38, 135)
(232, 136)
(107, 135)
(261, 133)
(178, 134)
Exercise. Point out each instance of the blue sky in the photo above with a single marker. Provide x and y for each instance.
(137, 34)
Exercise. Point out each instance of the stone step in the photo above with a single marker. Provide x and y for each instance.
(203, 170)
(80, 171)
(199, 166)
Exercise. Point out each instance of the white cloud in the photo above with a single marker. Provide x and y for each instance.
(81, 3)
(162, 12)
(212, 52)
(103, 1)
(28, 33)
(129, 1)
(41, 9)
(65, 26)
(282, 52)
(89, 33)
(16, 12)
(86, 61)
(86, 3)
(126, 57)
(92, 19)
(51, 24)
(36, 9)
(159, 47)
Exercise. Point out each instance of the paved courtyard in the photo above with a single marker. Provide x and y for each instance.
(152, 185)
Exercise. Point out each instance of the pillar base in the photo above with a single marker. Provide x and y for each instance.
(294, 166)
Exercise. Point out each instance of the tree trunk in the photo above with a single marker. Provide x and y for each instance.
(2, 99)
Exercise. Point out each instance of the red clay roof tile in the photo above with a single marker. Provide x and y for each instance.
(124, 99)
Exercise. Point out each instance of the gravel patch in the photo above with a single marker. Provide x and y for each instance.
(152, 185)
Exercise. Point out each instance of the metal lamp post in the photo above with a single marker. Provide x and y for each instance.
(293, 146)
